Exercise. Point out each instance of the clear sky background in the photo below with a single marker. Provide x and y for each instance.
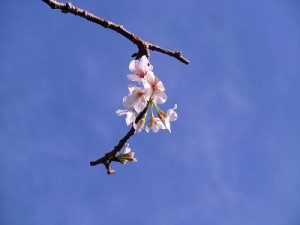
(233, 155)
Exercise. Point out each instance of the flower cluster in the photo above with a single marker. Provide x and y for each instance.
(148, 94)
(127, 155)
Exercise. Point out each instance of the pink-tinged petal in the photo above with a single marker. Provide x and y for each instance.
(129, 101)
(155, 124)
(145, 64)
(149, 124)
(130, 117)
(144, 60)
(139, 125)
(134, 77)
(155, 128)
(172, 114)
(168, 125)
(140, 67)
(147, 93)
(133, 88)
(159, 97)
(168, 116)
(140, 105)
(160, 86)
(146, 85)
(160, 123)
(133, 66)
(121, 112)
(150, 78)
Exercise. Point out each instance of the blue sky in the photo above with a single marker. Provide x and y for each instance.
(233, 155)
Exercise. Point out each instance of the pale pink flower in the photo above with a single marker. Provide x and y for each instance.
(135, 99)
(155, 88)
(130, 115)
(155, 124)
(168, 116)
(139, 68)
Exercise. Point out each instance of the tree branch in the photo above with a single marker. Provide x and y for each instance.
(143, 46)
(143, 49)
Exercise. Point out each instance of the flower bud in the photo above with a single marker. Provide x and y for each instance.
(127, 155)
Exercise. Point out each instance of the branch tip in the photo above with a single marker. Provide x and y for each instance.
(109, 169)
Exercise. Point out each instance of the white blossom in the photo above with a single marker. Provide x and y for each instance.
(130, 115)
(155, 88)
(139, 68)
(136, 99)
(155, 124)
(168, 116)
(149, 93)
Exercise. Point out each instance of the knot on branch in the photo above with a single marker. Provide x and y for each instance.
(178, 53)
(143, 50)
(106, 161)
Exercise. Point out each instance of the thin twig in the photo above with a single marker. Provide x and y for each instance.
(111, 156)
(142, 45)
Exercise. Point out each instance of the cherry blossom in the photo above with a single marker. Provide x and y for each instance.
(139, 68)
(155, 88)
(155, 124)
(148, 94)
(168, 116)
(130, 115)
(136, 98)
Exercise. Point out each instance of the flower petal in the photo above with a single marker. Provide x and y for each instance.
(140, 67)
(134, 77)
(129, 100)
(121, 112)
(159, 97)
